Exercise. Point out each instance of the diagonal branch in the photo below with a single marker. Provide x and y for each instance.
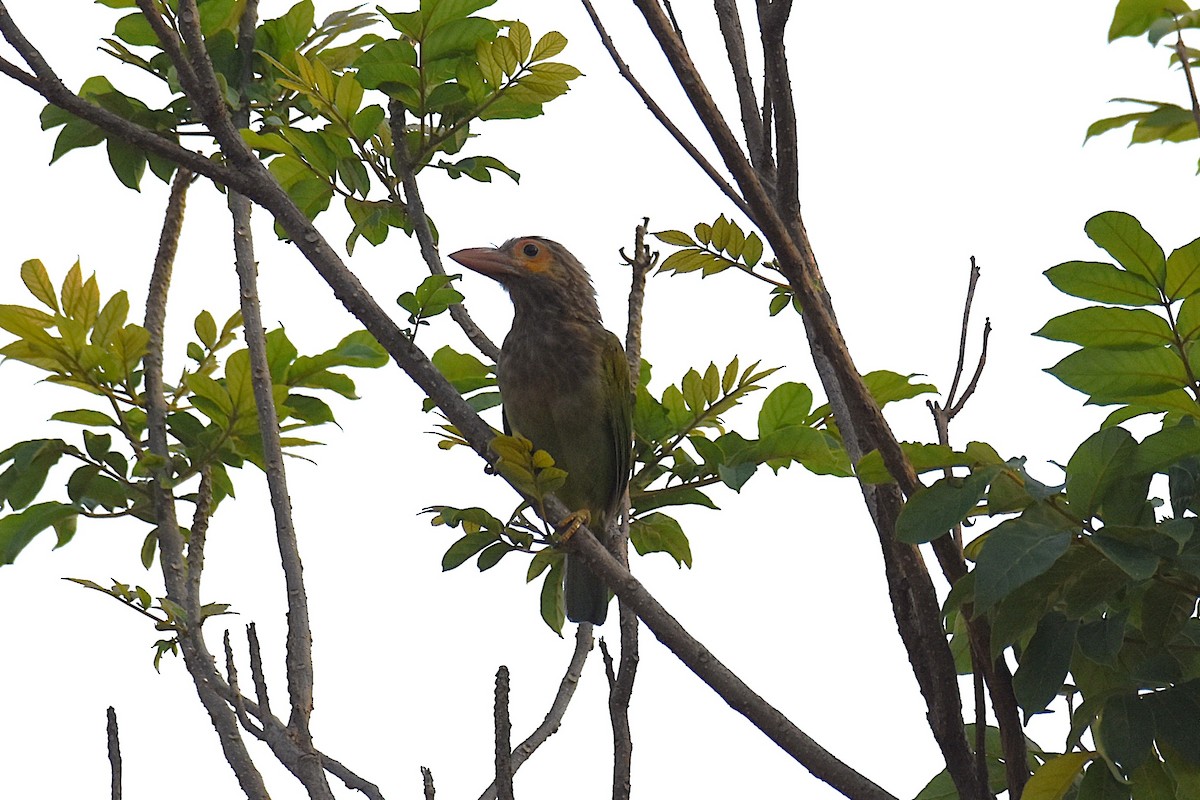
(730, 21)
(662, 117)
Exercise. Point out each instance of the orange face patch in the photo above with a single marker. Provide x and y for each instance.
(532, 255)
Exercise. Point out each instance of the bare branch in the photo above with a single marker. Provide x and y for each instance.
(114, 753)
(662, 117)
(730, 21)
(427, 780)
(772, 20)
(554, 716)
(641, 263)
(972, 282)
(504, 768)
(414, 208)
(198, 660)
(239, 706)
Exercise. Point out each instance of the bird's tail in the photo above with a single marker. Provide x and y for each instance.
(584, 595)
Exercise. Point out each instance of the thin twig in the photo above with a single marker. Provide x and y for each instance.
(964, 330)
(992, 672)
(642, 261)
(562, 698)
(239, 706)
(504, 768)
(662, 117)
(1181, 51)
(260, 679)
(414, 208)
(114, 753)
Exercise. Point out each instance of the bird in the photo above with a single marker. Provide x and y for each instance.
(565, 385)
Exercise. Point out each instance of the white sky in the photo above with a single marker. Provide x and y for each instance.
(931, 132)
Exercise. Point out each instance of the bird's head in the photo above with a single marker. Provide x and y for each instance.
(540, 275)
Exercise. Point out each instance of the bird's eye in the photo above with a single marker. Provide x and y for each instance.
(530, 250)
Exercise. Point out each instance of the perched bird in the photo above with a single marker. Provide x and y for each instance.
(565, 386)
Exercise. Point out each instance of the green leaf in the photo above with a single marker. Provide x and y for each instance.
(888, 387)
(787, 404)
(110, 320)
(1044, 663)
(1015, 552)
(18, 530)
(1137, 562)
(551, 598)
(550, 45)
(37, 280)
(659, 533)
(206, 329)
(933, 511)
(1054, 778)
(466, 547)
(1103, 283)
(1099, 326)
(1183, 271)
(1134, 17)
(1126, 729)
(1127, 241)
(1121, 375)
(84, 417)
(677, 238)
(1102, 459)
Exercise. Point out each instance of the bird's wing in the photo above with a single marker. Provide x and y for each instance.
(620, 407)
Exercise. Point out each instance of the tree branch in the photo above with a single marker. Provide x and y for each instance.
(114, 753)
(414, 208)
(197, 659)
(860, 420)
(504, 768)
(730, 21)
(562, 698)
(662, 117)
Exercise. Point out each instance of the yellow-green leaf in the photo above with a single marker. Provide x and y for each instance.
(37, 280)
(1054, 778)
(549, 45)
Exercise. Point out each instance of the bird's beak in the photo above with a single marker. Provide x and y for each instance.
(487, 261)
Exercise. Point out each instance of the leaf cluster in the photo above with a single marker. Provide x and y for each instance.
(84, 341)
(1084, 580)
(1139, 348)
(722, 245)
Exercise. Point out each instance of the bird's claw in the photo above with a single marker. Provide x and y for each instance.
(572, 523)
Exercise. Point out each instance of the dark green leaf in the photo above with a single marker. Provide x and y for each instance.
(1117, 375)
(1016, 551)
(1183, 271)
(1103, 283)
(1126, 727)
(1127, 241)
(1044, 663)
(1102, 459)
(551, 598)
(466, 547)
(1121, 328)
(933, 511)
(18, 530)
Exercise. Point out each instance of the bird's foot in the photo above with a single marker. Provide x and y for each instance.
(572, 523)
